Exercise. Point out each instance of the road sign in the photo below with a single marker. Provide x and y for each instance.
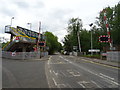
(104, 38)
(74, 47)
(42, 43)
(94, 50)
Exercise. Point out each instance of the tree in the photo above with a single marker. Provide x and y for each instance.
(74, 27)
(52, 42)
(113, 20)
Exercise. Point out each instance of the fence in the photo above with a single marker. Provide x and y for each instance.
(113, 56)
(23, 55)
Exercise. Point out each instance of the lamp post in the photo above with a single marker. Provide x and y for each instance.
(11, 37)
(30, 25)
(11, 21)
(91, 40)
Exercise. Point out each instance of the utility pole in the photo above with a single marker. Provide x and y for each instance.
(38, 48)
(79, 23)
(78, 34)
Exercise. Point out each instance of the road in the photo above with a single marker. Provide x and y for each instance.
(23, 74)
(59, 72)
(72, 72)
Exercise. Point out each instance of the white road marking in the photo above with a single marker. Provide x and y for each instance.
(68, 85)
(61, 85)
(63, 73)
(81, 84)
(109, 80)
(55, 73)
(66, 60)
(107, 76)
(49, 59)
(75, 75)
(95, 84)
(50, 71)
(54, 82)
(60, 56)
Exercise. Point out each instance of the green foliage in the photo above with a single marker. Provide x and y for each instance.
(52, 43)
(70, 40)
(75, 26)
(113, 19)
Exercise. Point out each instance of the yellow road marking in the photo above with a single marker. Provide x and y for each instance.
(101, 64)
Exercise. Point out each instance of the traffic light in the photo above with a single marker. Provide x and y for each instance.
(104, 38)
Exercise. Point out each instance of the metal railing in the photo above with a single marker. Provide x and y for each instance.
(23, 55)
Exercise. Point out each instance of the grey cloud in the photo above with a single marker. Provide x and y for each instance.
(22, 4)
(60, 13)
(7, 11)
(39, 4)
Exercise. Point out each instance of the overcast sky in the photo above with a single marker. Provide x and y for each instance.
(53, 14)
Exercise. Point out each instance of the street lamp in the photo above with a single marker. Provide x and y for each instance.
(91, 39)
(30, 25)
(11, 21)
